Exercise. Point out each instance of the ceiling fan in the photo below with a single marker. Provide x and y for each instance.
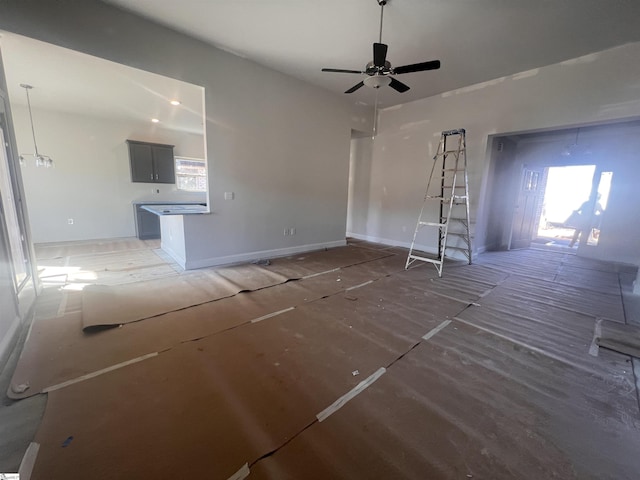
(379, 71)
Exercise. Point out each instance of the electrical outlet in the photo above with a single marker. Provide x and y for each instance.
(286, 232)
(70, 221)
(229, 195)
(292, 231)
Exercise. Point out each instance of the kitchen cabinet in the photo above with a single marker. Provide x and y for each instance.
(151, 162)
(147, 223)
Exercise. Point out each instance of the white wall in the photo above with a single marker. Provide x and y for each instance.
(91, 180)
(280, 144)
(359, 178)
(597, 88)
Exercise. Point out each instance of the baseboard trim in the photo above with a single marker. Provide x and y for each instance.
(261, 254)
(393, 243)
(407, 245)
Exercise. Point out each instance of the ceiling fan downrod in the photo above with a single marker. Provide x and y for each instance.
(382, 3)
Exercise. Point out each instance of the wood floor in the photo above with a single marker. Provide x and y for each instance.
(332, 364)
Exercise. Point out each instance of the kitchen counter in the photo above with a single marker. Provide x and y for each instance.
(174, 209)
(147, 214)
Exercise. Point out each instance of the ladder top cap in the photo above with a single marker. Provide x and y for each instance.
(454, 132)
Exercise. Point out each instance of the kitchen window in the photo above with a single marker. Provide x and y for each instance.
(191, 174)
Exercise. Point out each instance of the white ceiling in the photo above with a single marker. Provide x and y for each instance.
(69, 81)
(476, 40)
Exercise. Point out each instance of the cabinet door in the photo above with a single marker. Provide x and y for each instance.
(148, 224)
(164, 164)
(141, 160)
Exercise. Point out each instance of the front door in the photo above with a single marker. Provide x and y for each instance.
(526, 213)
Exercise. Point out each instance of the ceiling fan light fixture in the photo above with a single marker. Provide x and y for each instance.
(379, 72)
(377, 81)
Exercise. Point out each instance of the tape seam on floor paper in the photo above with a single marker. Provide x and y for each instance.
(273, 314)
(321, 273)
(358, 286)
(431, 333)
(28, 461)
(242, 473)
(594, 349)
(338, 404)
(98, 373)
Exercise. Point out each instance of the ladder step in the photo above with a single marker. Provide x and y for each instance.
(458, 234)
(457, 131)
(449, 152)
(431, 224)
(447, 199)
(425, 259)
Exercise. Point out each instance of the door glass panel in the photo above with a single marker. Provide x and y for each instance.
(566, 197)
(600, 206)
(531, 180)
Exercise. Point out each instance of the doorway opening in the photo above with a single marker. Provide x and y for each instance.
(572, 204)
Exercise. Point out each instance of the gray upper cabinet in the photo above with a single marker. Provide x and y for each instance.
(151, 162)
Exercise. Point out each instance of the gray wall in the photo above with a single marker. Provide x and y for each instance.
(281, 145)
(580, 91)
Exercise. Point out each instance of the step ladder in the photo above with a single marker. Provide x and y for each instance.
(448, 188)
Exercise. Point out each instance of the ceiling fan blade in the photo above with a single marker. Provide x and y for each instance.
(340, 70)
(418, 67)
(379, 54)
(398, 86)
(355, 87)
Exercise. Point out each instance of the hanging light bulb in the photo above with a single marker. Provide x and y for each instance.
(41, 160)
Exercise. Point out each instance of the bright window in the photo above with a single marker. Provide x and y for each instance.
(191, 174)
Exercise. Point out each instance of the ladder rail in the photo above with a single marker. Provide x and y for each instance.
(466, 189)
(450, 182)
(424, 202)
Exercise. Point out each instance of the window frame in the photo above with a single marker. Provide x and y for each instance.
(177, 160)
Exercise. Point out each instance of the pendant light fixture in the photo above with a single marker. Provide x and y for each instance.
(575, 148)
(41, 160)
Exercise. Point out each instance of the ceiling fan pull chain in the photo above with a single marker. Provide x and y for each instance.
(375, 117)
